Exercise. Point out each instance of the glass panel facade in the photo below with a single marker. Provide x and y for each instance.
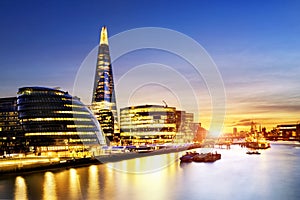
(104, 93)
(11, 134)
(52, 118)
(148, 124)
(155, 124)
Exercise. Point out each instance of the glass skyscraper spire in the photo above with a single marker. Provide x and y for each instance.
(104, 101)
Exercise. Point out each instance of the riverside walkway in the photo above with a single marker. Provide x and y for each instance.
(31, 164)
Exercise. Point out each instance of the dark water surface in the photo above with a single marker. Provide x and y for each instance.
(275, 174)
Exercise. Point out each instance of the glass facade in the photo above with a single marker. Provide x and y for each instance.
(184, 125)
(104, 93)
(147, 124)
(106, 119)
(11, 134)
(53, 120)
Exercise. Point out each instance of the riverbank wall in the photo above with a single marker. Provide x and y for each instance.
(18, 168)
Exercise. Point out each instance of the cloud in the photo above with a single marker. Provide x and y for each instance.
(244, 122)
(279, 108)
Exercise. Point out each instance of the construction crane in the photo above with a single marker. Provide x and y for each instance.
(166, 105)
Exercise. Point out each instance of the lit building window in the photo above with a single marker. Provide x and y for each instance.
(53, 120)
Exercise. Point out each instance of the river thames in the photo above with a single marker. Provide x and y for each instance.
(275, 174)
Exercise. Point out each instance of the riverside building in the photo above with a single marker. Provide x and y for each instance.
(184, 127)
(148, 124)
(55, 122)
(288, 132)
(104, 100)
(11, 134)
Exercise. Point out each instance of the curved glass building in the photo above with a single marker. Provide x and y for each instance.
(54, 121)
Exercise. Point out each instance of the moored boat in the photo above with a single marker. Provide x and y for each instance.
(203, 157)
(188, 157)
(208, 157)
(253, 152)
(258, 145)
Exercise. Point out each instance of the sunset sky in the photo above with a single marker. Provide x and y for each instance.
(254, 44)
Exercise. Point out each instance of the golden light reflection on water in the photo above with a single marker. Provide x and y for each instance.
(20, 188)
(74, 185)
(49, 187)
(144, 164)
(143, 178)
(152, 185)
(93, 184)
(252, 175)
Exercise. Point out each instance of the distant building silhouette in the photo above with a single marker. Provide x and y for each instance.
(235, 131)
(199, 132)
(287, 132)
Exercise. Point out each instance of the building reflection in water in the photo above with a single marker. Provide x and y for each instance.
(137, 178)
(168, 181)
(49, 187)
(131, 178)
(74, 185)
(145, 164)
(93, 184)
(20, 188)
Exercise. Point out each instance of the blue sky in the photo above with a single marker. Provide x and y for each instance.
(255, 44)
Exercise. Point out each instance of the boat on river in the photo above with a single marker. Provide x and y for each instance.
(258, 145)
(200, 157)
(253, 152)
(188, 157)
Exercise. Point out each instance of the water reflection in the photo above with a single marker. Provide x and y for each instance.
(143, 178)
(145, 164)
(20, 188)
(272, 175)
(49, 187)
(93, 184)
(74, 185)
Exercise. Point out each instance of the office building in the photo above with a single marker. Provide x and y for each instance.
(147, 124)
(104, 92)
(200, 133)
(184, 127)
(11, 134)
(54, 121)
(106, 119)
(288, 132)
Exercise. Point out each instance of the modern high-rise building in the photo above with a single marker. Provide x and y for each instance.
(104, 99)
(55, 122)
(11, 134)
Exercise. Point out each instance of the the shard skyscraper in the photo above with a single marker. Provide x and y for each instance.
(104, 100)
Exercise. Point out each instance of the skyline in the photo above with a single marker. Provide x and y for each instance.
(255, 45)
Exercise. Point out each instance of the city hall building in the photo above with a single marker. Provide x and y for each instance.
(54, 121)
